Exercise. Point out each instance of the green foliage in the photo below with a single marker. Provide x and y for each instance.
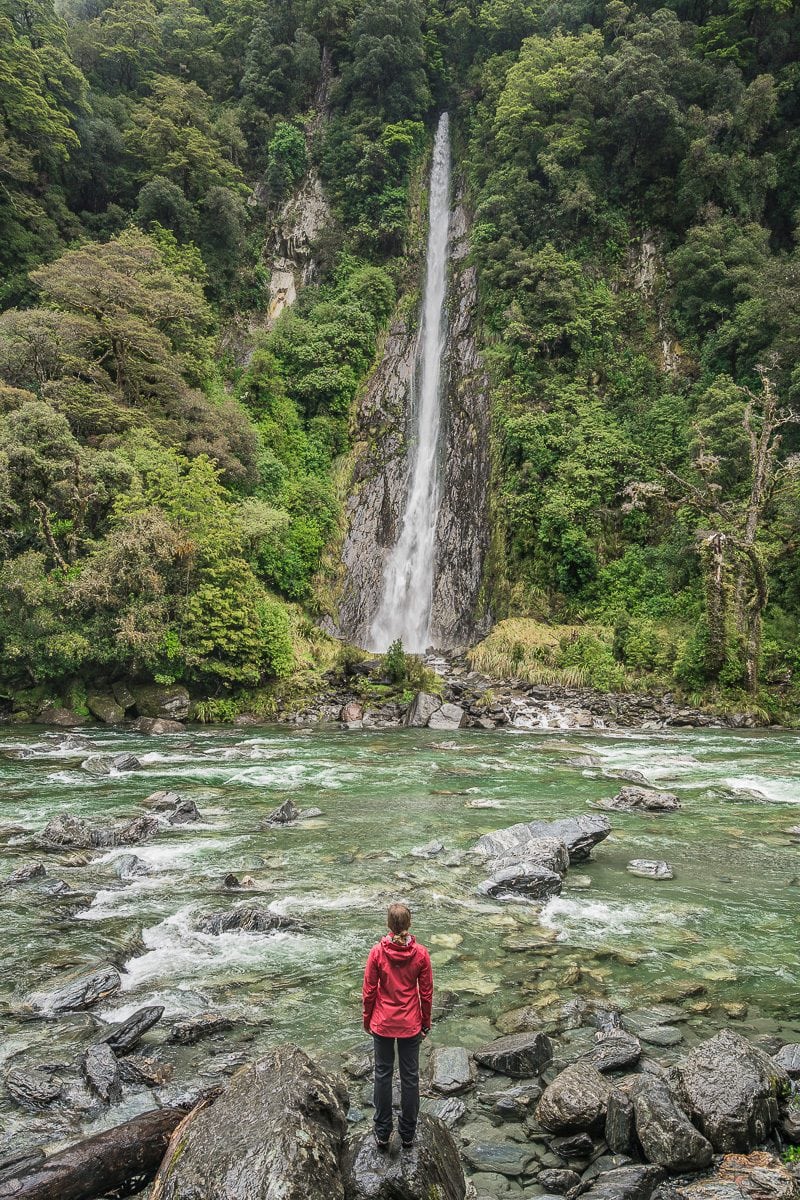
(393, 664)
(286, 160)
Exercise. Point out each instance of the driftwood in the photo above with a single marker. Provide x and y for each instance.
(109, 1160)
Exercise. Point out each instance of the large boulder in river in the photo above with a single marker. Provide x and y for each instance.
(249, 918)
(63, 717)
(126, 1035)
(168, 703)
(756, 1176)
(65, 832)
(578, 834)
(105, 708)
(277, 1133)
(730, 1089)
(520, 1055)
(666, 1134)
(639, 799)
(430, 1170)
(421, 709)
(449, 716)
(575, 1101)
(522, 878)
(81, 991)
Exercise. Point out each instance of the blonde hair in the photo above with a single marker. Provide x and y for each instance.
(398, 919)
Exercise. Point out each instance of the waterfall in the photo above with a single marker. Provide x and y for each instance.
(405, 607)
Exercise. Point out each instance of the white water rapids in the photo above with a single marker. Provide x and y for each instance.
(405, 607)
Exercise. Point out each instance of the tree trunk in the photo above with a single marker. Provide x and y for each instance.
(109, 1160)
(716, 603)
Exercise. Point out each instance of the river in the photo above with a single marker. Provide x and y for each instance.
(724, 929)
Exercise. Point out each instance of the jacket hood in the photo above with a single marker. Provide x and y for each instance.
(397, 951)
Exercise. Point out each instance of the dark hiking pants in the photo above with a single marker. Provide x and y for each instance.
(408, 1053)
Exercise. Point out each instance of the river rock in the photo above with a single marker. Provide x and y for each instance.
(128, 866)
(127, 1034)
(639, 799)
(153, 726)
(730, 1089)
(34, 1088)
(627, 1183)
(620, 1128)
(101, 1069)
(24, 874)
(558, 1181)
(184, 813)
(105, 764)
(421, 709)
(63, 717)
(614, 1050)
(788, 1059)
(661, 1035)
(449, 716)
(164, 800)
(502, 1158)
(523, 878)
(155, 700)
(249, 918)
(451, 1069)
(449, 1109)
(756, 1176)
(82, 991)
(351, 713)
(576, 1100)
(545, 851)
(666, 1134)
(578, 834)
(515, 1102)
(138, 1069)
(276, 1133)
(430, 1170)
(105, 708)
(429, 850)
(650, 868)
(204, 1024)
(520, 1055)
(284, 814)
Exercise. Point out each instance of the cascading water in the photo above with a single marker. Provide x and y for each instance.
(405, 608)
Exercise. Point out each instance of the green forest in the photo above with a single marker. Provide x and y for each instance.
(169, 507)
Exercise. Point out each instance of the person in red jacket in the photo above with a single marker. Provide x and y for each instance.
(398, 993)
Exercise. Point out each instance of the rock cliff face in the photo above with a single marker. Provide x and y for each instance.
(381, 470)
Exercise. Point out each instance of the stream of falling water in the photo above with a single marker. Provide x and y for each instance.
(405, 606)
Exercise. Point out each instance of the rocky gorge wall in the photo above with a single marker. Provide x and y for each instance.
(381, 469)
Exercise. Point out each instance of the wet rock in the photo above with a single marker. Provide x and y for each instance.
(516, 1102)
(545, 852)
(620, 1127)
(153, 726)
(127, 1034)
(431, 1168)
(191, 1030)
(128, 866)
(105, 708)
(614, 1050)
(730, 1088)
(449, 1109)
(232, 882)
(574, 1148)
(429, 850)
(503, 1158)
(104, 764)
(277, 1131)
(520, 1055)
(168, 703)
(451, 1069)
(627, 1183)
(82, 991)
(421, 709)
(578, 834)
(284, 814)
(661, 1035)
(576, 1100)
(736, 1010)
(137, 1069)
(351, 713)
(666, 1134)
(33, 1088)
(101, 1070)
(639, 799)
(16, 1163)
(756, 1176)
(184, 813)
(63, 717)
(788, 1059)
(249, 918)
(519, 1020)
(24, 874)
(522, 879)
(552, 1179)
(650, 868)
(66, 832)
(449, 716)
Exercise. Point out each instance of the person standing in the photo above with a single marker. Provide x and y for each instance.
(397, 996)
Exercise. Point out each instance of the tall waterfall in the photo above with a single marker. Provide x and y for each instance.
(405, 607)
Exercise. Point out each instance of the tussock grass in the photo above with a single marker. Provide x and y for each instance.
(529, 650)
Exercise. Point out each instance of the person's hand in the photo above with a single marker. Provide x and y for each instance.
(425, 1033)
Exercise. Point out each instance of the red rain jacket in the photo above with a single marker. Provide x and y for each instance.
(398, 988)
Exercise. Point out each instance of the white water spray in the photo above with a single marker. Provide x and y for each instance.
(405, 608)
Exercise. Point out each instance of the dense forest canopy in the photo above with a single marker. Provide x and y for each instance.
(633, 174)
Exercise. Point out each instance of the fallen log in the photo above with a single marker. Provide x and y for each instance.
(109, 1160)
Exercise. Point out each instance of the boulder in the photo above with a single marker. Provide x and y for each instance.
(576, 1100)
(429, 850)
(661, 1035)
(545, 852)
(276, 1133)
(123, 695)
(284, 814)
(501, 1158)
(204, 1024)
(787, 1058)
(578, 834)
(168, 703)
(756, 1176)
(556, 1180)
(184, 812)
(666, 1134)
(65, 718)
(25, 873)
(351, 713)
(449, 716)
(639, 799)
(651, 868)
(520, 1055)
(430, 1170)
(157, 725)
(248, 918)
(449, 1109)
(128, 866)
(730, 1089)
(614, 1050)
(421, 709)
(148, 1071)
(33, 1088)
(105, 708)
(106, 764)
(515, 1102)
(163, 801)
(620, 1128)
(626, 1183)
(82, 991)
(124, 1036)
(523, 878)
(101, 1069)
(65, 832)
(576, 1147)
(451, 1070)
